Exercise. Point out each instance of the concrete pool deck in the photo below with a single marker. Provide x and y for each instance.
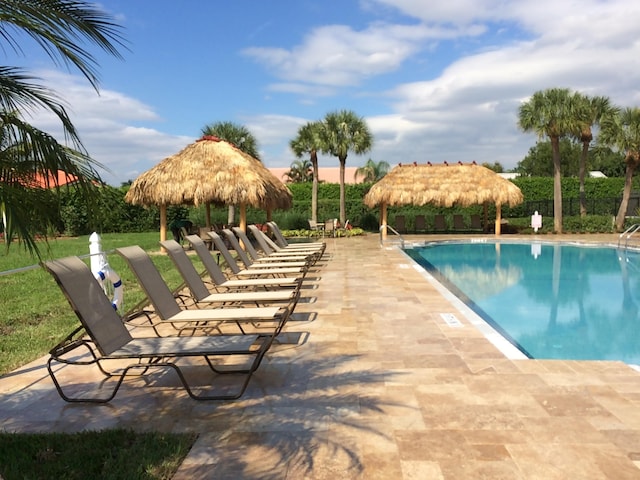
(376, 383)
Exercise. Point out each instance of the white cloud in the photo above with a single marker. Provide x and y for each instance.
(337, 55)
(107, 127)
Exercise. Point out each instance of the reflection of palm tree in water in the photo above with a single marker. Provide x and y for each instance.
(555, 287)
(629, 307)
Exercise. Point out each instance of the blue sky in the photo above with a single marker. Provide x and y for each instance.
(435, 81)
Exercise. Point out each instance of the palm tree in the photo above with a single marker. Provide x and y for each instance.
(241, 137)
(372, 171)
(308, 141)
(300, 171)
(62, 28)
(234, 133)
(552, 113)
(591, 111)
(29, 163)
(343, 131)
(621, 129)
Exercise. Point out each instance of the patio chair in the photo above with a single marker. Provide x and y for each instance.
(271, 249)
(420, 224)
(330, 227)
(400, 224)
(103, 338)
(316, 227)
(476, 222)
(250, 265)
(439, 223)
(288, 260)
(201, 294)
(221, 283)
(168, 312)
(282, 242)
(458, 222)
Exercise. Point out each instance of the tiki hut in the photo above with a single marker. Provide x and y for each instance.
(209, 171)
(442, 185)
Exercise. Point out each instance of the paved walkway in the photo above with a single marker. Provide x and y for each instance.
(378, 385)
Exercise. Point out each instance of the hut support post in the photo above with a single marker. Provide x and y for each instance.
(207, 215)
(163, 224)
(269, 214)
(243, 216)
(498, 218)
(383, 220)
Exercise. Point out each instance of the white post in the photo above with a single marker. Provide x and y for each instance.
(98, 258)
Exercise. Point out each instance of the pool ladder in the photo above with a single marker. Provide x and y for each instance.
(400, 238)
(628, 233)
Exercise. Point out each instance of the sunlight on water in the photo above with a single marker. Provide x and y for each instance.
(550, 300)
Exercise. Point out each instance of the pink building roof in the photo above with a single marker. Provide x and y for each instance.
(325, 174)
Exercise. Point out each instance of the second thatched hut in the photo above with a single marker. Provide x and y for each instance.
(442, 185)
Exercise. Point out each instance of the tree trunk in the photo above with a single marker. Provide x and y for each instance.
(343, 213)
(581, 174)
(314, 187)
(626, 193)
(557, 185)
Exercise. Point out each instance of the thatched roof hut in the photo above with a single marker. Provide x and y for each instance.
(443, 185)
(208, 171)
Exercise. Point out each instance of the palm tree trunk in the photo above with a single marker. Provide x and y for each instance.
(626, 193)
(582, 171)
(314, 187)
(231, 217)
(343, 213)
(557, 185)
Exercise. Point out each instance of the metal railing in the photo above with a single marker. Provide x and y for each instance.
(627, 234)
(388, 227)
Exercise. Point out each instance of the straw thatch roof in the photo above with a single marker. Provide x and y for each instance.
(443, 185)
(210, 170)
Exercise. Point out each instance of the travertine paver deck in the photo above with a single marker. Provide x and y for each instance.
(378, 386)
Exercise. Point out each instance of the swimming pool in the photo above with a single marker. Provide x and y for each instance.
(550, 300)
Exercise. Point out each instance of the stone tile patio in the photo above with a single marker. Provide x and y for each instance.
(374, 383)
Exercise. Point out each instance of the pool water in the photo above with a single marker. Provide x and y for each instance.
(552, 301)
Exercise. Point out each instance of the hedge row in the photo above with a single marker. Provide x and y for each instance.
(115, 215)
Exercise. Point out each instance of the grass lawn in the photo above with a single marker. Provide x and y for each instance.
(111, 454)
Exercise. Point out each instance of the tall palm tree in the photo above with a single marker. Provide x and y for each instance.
(621, 129)
(372, 171)
(309, 141)
(591, 111)
(344, 131)
(300, 171)
(552, 113)
(64, 29)
(241, 137)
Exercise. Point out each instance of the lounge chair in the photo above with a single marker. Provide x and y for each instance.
(221, 283)
(292, 260)
(420, 224)
(282, 242)
(103, 337)
(250, 265)
(458, 222)
(400, 225)
(166, 308)
(271, 249)
(201, 294)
